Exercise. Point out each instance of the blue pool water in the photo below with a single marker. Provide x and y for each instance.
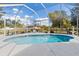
(34, 39)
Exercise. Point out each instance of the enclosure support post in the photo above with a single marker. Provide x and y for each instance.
(4, 27)
(73, 30)
(15, 25)
(77, 25)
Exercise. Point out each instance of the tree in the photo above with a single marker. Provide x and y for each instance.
(1, 23)
(66, 23)
(74, 15)
(59, 18)
(18, 23)
(1, 14)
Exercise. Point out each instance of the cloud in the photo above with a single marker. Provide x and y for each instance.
(5, 17)
(42, 19)
(15, 10)
(23, 20)
(27, 16)
(11, 17)
(18, 17)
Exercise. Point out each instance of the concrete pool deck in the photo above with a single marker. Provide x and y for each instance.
(55, 49)
(46, 49)
(49, 49)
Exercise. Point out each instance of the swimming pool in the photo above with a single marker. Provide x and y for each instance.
(37, 39)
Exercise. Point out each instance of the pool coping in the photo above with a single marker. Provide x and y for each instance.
(26, 34)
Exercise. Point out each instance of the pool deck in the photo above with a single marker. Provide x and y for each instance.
(47, 49)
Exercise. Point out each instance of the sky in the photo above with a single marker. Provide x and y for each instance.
(37, 7)
(35, 10)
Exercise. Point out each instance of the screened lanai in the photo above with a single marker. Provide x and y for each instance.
(39, 17)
